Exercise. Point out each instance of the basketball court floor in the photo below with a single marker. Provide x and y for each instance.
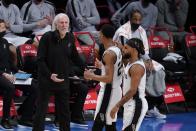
(173, 122)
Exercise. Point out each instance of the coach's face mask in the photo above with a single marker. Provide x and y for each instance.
(2, 34)
(134, 26)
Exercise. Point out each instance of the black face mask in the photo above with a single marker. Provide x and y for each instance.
(145, 2)
(2, 34)
(7, 2)
(39, 1)
(134, 26)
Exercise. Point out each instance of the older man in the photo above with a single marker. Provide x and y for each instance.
(54, 53)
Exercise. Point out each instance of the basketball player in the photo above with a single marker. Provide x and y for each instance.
(110, 80)
(133, 100)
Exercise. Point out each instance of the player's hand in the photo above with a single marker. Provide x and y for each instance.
(118, 44)
(114, 111)
(54, 78)
(98, 64)
(88, 74)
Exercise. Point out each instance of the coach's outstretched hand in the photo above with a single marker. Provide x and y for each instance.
(54, 78)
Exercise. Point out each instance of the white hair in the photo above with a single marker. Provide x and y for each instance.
(56, 18)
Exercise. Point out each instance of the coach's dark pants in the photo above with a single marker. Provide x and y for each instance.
(81, 90)
(62, 106)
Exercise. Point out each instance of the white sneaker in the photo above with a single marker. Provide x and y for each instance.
(48, 119)
(155, 113)
(55, 126)
(72, 124)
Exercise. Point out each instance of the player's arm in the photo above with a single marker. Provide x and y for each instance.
(136, 72)
(109, 59)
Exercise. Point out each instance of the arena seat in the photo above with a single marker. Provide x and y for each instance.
(177, 74)
(27, 57)
(191, 50)
(159, 49)
(13, 112)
